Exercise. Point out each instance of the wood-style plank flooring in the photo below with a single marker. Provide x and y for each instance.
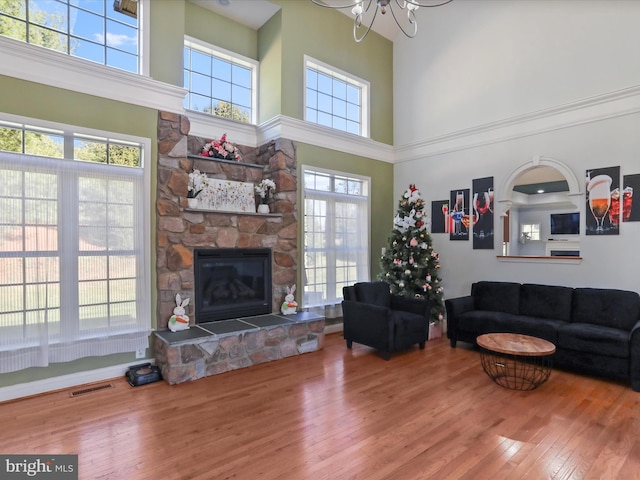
(340, 414)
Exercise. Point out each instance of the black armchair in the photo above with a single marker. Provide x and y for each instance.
(374, 317)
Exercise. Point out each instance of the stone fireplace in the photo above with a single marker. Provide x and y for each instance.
(218, 346)
(180, 230)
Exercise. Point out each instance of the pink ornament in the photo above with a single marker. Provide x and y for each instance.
(413, 242)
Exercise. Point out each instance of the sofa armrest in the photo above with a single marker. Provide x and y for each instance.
(456, 307)
(420, 306)
(634, 356)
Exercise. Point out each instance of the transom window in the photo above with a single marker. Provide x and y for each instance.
(335, 99)
(336, 234)
(219, 82)
(92, 30)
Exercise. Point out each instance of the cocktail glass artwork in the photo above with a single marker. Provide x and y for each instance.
(481, 203)
(490, 192)
(599, 189)
(445, 213)
(457, 218)
(627, 202)
(614, 209)
(458, 212)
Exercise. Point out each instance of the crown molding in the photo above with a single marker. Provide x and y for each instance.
(55, 69)
(613, 104)
(281, 126)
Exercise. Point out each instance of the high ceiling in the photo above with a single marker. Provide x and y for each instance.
(255, 13)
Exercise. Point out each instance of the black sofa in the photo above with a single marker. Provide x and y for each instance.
(595, 331)
(374, 317)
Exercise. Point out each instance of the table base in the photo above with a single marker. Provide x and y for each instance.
(516, 372)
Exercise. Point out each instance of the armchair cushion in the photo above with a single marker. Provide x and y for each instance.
(376, 293)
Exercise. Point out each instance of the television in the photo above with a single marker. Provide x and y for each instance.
(565, 223)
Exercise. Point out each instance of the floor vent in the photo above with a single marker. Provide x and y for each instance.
(85, 391)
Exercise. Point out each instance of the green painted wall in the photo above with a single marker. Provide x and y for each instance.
(167, 41)
(205, 25)
(270, 55)
(382, 204)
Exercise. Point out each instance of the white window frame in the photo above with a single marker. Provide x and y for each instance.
(230, 57)
(531, 230)
(142, 34)
(113, 342)
(363, 85)
(363, 267)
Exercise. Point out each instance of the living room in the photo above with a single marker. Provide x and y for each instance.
(485, 89)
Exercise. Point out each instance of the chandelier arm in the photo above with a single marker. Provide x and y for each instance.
(418, 4)
(412, 20)
(356, 26)
(321, 4)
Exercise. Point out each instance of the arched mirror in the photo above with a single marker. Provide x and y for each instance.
(539, 204)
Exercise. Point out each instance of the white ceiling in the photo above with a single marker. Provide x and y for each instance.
(252, 13)
(255, 13)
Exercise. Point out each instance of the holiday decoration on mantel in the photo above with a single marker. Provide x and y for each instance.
(221, 149)
(179, 320)
(410, 265)
(289, 306)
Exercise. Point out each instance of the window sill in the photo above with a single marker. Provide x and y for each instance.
(539, 259)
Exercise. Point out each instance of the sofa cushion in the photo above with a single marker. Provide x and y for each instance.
(589, 338)
(480, 322)
(545, 301)
(607, 307)
(376, 293)
(496, 296)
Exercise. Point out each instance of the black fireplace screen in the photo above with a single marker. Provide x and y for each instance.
(232, 283)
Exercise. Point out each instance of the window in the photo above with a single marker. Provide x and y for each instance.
(74, 268)
(219, 82)
(335, 99)
(92, 30)
(530, 231)
(336, 234)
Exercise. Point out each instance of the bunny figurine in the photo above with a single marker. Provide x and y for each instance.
(289, 306)
(179, 320)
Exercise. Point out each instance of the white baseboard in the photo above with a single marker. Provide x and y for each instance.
(66, 381)
(336, 327)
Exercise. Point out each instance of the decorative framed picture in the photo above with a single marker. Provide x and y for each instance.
(459, 213)
(630, 209)
(603, 201)
(227, 195)
(440, 216)
(482, 204)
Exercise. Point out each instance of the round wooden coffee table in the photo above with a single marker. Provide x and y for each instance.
(518, 362)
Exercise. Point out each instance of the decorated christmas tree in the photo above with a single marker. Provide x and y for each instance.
(409, 264)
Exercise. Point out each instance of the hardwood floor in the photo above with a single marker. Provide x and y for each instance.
(340, 414)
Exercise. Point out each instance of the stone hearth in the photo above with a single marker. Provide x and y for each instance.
(218, 347)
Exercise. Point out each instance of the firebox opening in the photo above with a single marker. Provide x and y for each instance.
(232, 283)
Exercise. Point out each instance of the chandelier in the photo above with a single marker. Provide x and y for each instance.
(364, 13)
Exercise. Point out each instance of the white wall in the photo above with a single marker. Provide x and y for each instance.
(477, 61)
(488, 85)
